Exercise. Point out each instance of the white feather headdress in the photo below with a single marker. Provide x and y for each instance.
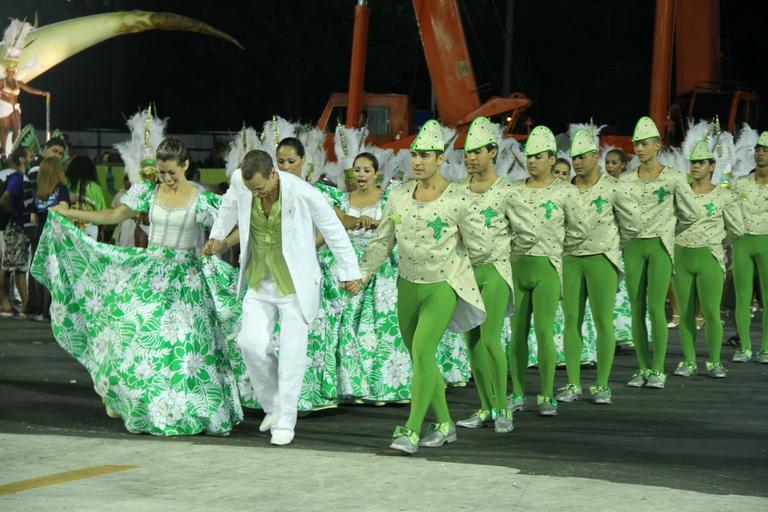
(276, 130)
(384, 156)
(133, 151)
(720, 143)
(397, 168)
(315, 161)
(672, 157)
(595, 130)
(453, 165)
(14, 39)
(510, 162)
(725, 157)
(744, 151)
(701, 130)
(246, 140)
(347, 143)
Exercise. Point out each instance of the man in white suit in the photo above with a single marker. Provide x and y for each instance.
(275, 212)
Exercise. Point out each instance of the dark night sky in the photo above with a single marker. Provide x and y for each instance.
(574, 58)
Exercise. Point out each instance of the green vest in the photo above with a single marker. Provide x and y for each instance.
(267, 249)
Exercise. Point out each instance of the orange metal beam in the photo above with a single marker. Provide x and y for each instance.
(357, 66)
(661, 69)
(447, 57)
(697, 43)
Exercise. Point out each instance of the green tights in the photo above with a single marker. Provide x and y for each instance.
(486, 354)
(424, 312)
(537, 293)
(698, 275)
(648, 270)
(592, 276)
(750, 253)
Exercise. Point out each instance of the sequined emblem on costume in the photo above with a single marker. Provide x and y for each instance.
(437, 226)
(548, 206)
(599, 203)
(489, 213)
(661, 193)
(395, 218)
(710, 208)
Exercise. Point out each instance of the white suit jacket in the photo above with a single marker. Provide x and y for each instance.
(302, 206)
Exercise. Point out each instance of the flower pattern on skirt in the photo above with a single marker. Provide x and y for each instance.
(149, 325)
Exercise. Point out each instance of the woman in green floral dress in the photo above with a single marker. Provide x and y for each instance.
(149, 325)
(372, 361)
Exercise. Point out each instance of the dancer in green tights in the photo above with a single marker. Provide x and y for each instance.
(750, 252)
(700, 263)
(664, 197)
(496, 216)
(592, 269)
(560, 220)
(436, 288)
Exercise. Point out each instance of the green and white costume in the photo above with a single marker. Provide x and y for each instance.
(436, 285)
(152, 326)
(648, 258)
(593, 267)
(750, 255)
(560, 222)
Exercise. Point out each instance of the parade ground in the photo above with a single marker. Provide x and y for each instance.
(700, 444)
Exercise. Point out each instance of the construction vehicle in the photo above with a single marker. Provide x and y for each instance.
(388, 116)
(686, 39)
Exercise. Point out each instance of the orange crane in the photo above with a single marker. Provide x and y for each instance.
(686, 39)
(388, 116)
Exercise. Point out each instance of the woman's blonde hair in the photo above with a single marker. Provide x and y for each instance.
(49, 176)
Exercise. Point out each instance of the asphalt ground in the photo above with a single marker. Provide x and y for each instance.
(698, 434)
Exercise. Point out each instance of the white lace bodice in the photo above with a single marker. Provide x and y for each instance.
(175, 228)
(374, 211)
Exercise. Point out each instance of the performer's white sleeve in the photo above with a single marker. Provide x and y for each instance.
(335, 236)
(226, 219)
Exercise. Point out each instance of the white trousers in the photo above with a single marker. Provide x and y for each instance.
(276, 380)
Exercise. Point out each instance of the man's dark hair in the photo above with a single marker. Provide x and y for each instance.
(256, 162)
(490, 147)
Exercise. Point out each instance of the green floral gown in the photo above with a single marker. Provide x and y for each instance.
(622, 316)
(151, 326)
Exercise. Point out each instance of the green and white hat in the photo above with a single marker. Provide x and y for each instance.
(701, 152)
(541, 139)
(763, 139)
(481, 133)
(583, 142)
(430, 138)
(27, 138)
(645, 129)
